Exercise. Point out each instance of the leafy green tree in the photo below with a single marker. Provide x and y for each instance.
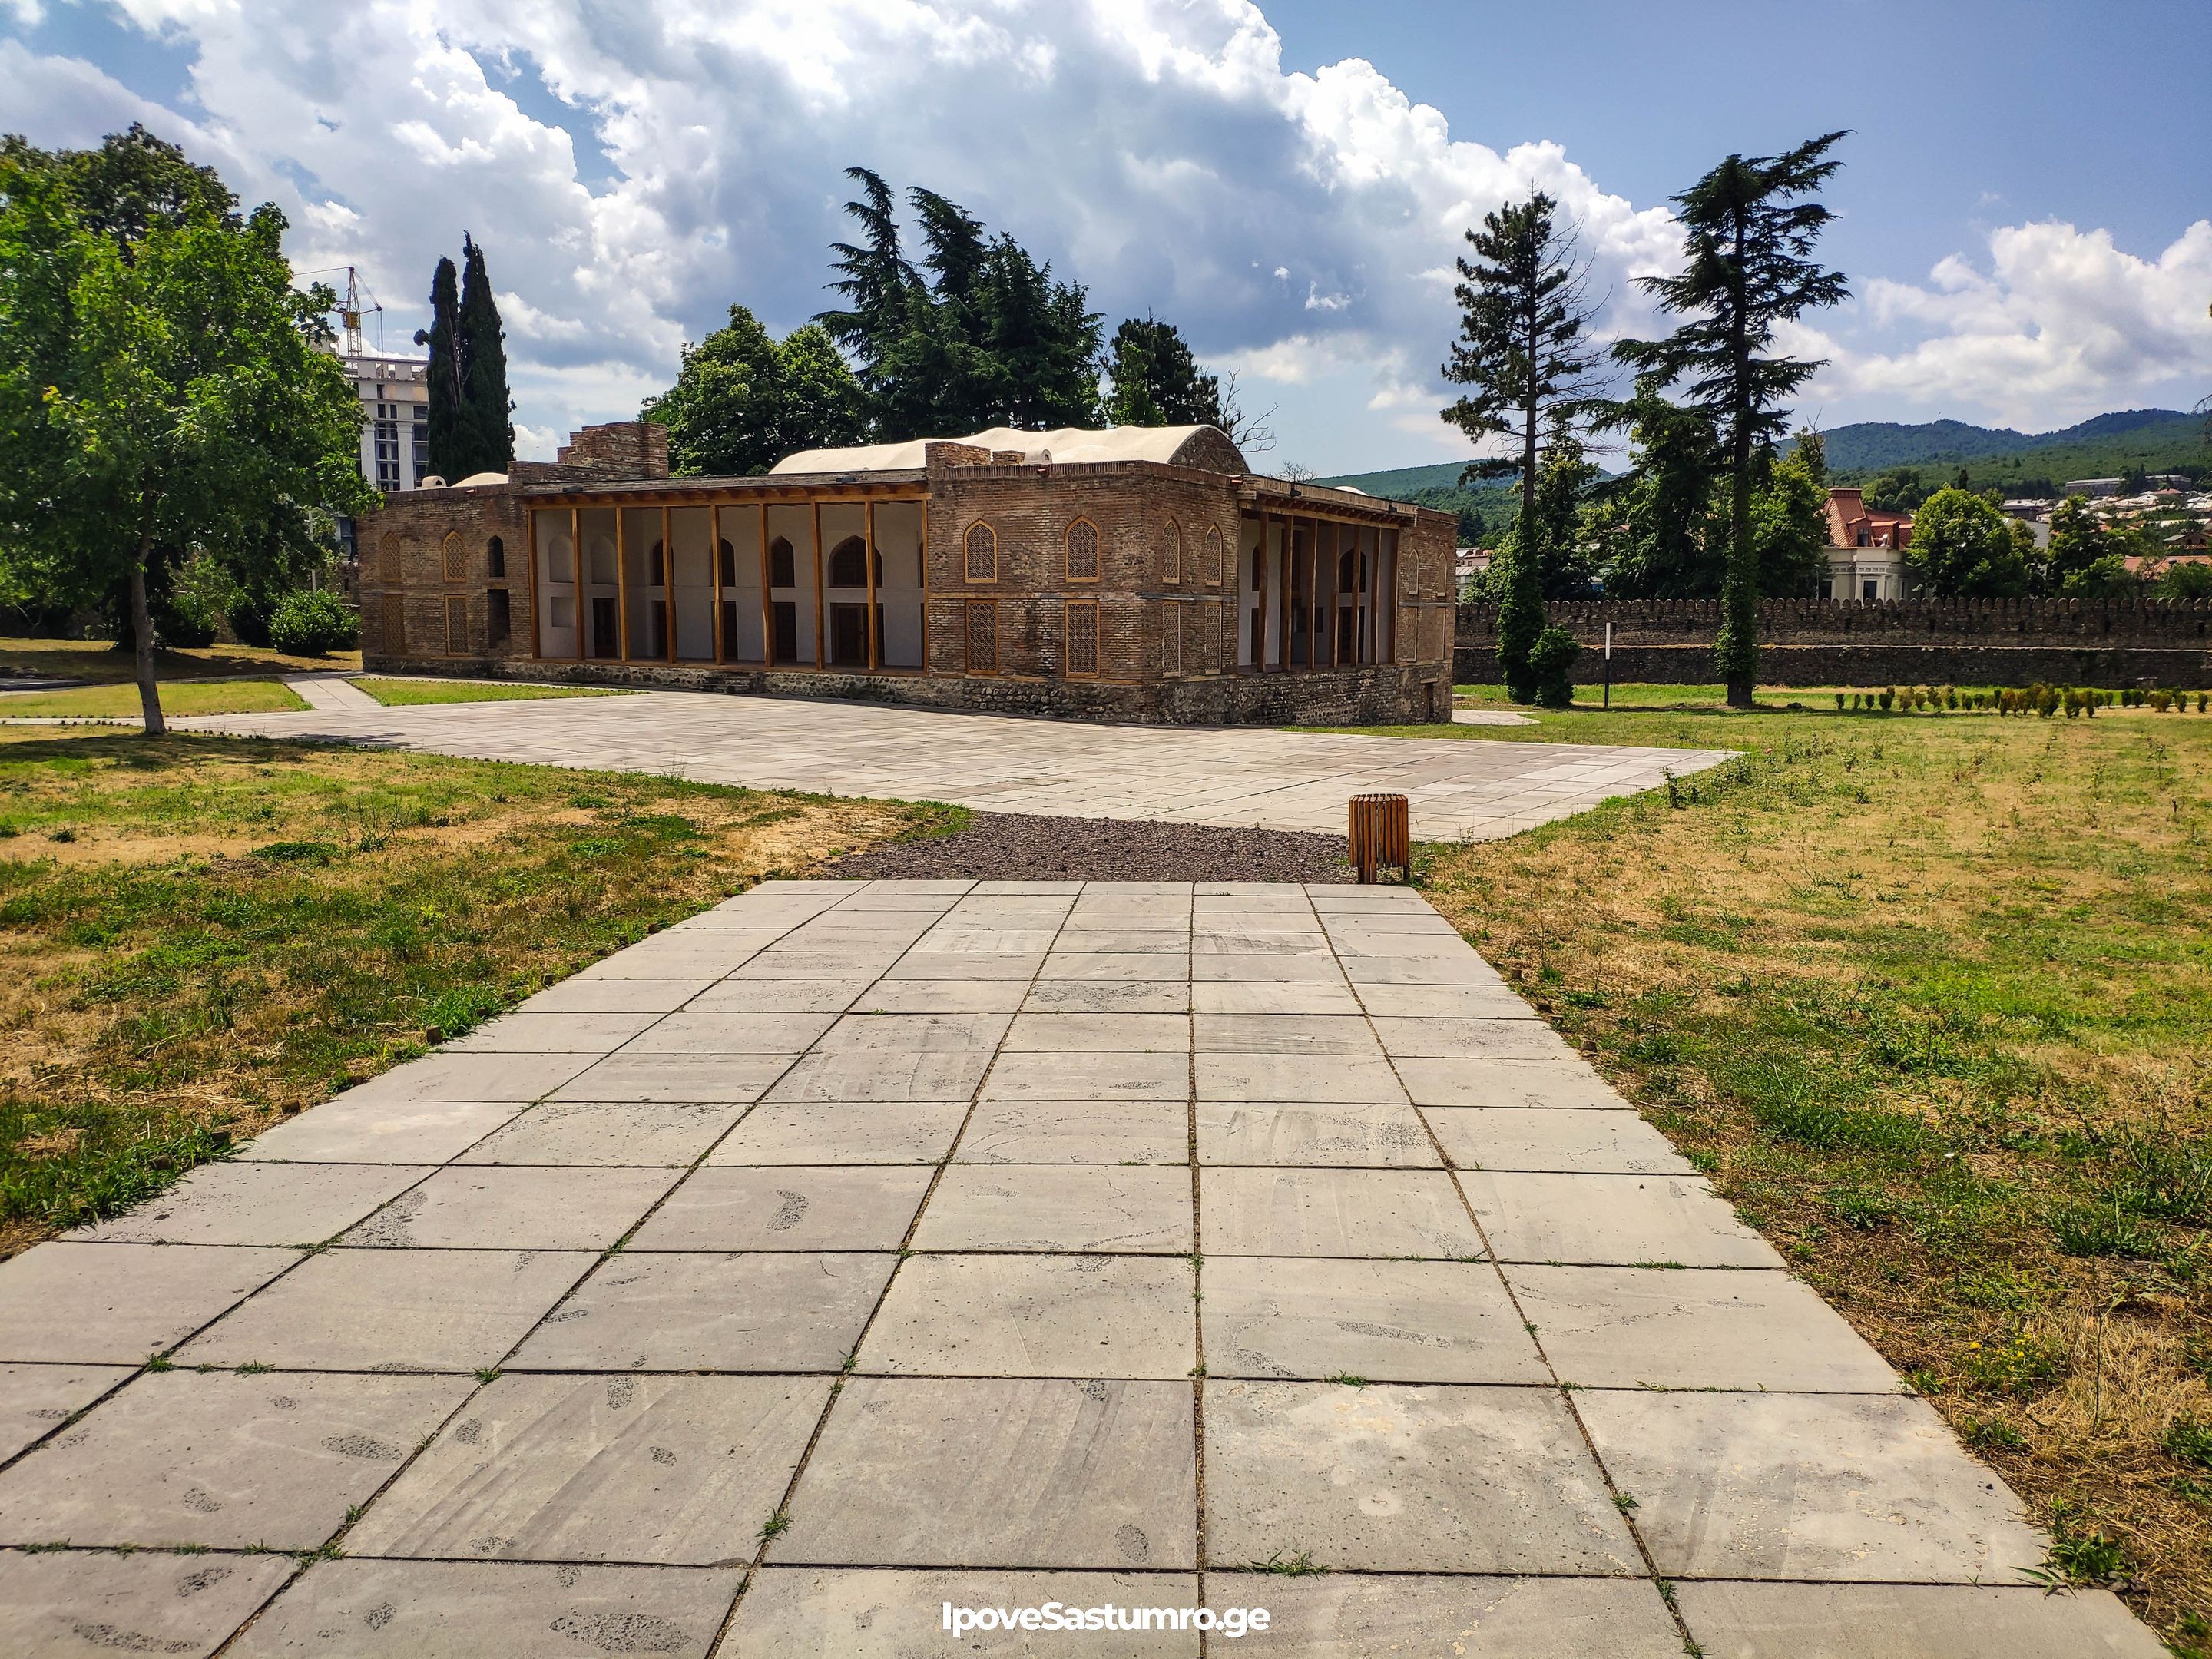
(131, 183)
(1153, 378)
(2078, 540)
(1898, 490)
(2184, 579)
(1789, 525)
(1663, 549)
(1522, 348)
(2107, 577)
(173, 390)
(1963, 548)
(1564, 558)
(743, 401)
(1750, 226)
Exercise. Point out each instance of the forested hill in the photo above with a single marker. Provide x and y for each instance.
(1486, 507)
(2155, 440)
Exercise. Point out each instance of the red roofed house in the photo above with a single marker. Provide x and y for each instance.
(1866, 557)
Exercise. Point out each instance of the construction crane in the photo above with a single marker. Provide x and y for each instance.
(355, 304)
(351, 311)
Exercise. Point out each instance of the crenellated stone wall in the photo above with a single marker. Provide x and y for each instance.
(2103, 642)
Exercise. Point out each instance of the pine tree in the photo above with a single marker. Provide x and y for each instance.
(487, 428)
(448, 384)
(1153, 378)
(876, 282)
(1523, 316)
(1750, 228)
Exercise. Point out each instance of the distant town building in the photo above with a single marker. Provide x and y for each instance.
(395, 432)
(1468, 565)
(2091, 486)
(1866, 550)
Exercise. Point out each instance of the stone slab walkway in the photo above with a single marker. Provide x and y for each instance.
(325, 692)
(857, 1248)
(1237, 776)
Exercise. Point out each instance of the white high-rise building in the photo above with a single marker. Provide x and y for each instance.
(395, 432)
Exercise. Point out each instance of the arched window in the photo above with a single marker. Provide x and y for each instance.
(729, 563)
(656, 566)
(1083, 551)
(782, 567)
(1171, 553)
(982, 544)
(453, 552)
(1214, 556)
(1347, 571)
(496, 557)
(848, 563)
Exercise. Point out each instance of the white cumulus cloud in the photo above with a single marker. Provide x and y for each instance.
(631, 171)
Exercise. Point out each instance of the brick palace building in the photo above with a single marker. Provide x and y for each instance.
(1136, 574)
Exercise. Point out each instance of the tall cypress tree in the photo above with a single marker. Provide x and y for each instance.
(1522, 346)
(1750, 226)
(488, 423)
(448, 383)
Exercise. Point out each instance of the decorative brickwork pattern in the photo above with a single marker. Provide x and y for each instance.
(1172, 554)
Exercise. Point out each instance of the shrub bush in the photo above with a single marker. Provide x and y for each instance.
(314, 623)
(1551, 662)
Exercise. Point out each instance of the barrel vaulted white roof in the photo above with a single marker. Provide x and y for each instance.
(1176, 446)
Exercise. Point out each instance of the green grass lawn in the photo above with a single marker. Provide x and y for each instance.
(178, 697)
(399, 693)
(198, 934)
(1929, 996)
(98, 660)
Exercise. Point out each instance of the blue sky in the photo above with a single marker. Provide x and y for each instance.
(2025, 211)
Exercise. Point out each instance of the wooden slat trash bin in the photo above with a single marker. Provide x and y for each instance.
(1380, 834)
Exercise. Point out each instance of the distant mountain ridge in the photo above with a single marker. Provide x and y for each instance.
(2104, 445)
(2131, 437)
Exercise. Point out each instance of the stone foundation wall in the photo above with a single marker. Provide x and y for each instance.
(1394, 695)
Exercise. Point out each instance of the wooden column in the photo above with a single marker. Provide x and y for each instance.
(819, 665)
(868, 535)
(530, 552)
(768, 597)
(1260, 585)
(622, 588)
(668, 580)
(1313, 597)
(576, 599)
(1283, 604)
(714, 571)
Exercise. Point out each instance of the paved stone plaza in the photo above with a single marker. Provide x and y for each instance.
(1237, 776)
(857, 1248)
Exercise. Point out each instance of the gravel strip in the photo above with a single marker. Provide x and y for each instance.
(1013, 847)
